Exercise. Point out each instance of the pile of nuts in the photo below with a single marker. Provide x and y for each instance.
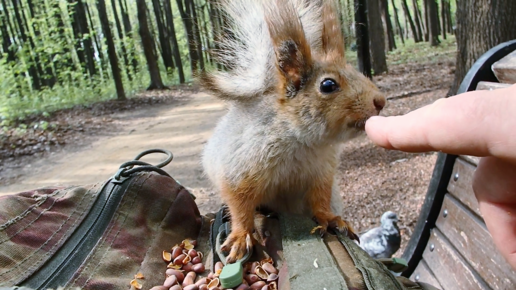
(184, 263)
(260, 275)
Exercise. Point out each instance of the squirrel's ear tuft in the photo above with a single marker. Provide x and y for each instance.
(332, 39)
(293, 54)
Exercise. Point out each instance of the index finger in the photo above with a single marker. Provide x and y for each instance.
(480, 123)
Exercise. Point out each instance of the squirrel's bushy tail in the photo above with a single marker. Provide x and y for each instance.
(248, 51)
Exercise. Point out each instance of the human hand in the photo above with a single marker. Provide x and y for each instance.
(479, 123)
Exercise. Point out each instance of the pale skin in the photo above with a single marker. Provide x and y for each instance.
(479, 123)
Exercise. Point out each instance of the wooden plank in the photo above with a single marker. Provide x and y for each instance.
(505, 69)
(471, 159)
(472, 240)
(423, 274)
(489, 86)
(450, 269)
(460, 185)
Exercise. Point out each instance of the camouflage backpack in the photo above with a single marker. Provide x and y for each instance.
(116, 234)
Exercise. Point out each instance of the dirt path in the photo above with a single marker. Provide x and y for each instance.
(181, 127)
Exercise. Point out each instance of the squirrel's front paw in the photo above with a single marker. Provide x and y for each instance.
(338, 224)
(237, 244)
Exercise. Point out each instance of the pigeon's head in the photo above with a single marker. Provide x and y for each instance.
(389, 218)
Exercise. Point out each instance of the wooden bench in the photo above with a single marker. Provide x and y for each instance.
(451, 247)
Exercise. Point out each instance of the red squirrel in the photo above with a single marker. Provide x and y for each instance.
(292, 100)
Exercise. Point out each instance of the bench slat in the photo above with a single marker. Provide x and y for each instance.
(489, 86)
(471, 159)
(461, 187)
(423, 274)
(472, 240)
(505, 69)
(450, 269)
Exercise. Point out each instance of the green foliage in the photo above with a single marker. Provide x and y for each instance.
(55, 49)
(422, 52)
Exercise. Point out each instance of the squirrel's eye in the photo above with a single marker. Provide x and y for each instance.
(328, 86)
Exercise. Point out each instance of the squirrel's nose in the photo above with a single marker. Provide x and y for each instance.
(379, 103)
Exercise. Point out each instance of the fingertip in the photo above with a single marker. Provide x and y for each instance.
(372, 123)
(375, 119)
(375, 131)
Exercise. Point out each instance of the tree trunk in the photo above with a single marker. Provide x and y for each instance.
(417, 20)
(481, 24)
(215, 27)
(406, 31)
(66, 61)
(147, 44)
(436, 15)
(389, 32)
(192, 49)
(397, 21)
(34, 71)
(89, 52)
(12, 30)
(362, 33)
(417, 10)
(75, 23)
(443, 18)
(175, 47)
(6, 41)
(166, 51)
(426, 22)
(205, 33)
(155, 48)
(432, 22)
(6, 37)
(121, 37)
(95, 37)
(406, 11)
(128, 30)
(191, 10)
(45, 68)
(113, 59)
(449, 19)
(82, 11)
(376, 37)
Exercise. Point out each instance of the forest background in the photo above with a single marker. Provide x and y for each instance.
(56, 54)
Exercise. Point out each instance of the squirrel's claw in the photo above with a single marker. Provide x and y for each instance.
(237, 245)
(344, 227)
(338, 224)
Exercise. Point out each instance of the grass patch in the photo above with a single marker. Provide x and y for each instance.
(19, 101)
(412, 52)
(421, 52)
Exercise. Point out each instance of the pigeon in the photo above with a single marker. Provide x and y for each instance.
(383, 241)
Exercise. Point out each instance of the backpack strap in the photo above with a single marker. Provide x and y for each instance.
(334, 261)
(374, 273)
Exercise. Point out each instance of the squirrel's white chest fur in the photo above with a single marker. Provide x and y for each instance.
(257, 144)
